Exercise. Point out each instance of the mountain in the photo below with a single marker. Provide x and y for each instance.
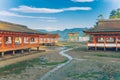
(64, 34)
(42, 30)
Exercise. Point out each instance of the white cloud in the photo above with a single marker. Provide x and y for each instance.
(6, 13)
(51, 20)
(27, 9)
(82, 0)
(51, 28)
(77, 8)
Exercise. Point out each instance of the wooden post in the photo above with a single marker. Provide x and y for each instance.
(38, 40)
(37, 48)
(29, 43)
(3, 45)
(22, 51)
(50, 41)
(3, 54)
(13, 41)
(22, 41)
(29, 50)
(104, 43)
(13, 52)
(116, 43)
(95, 42)
(47, 40)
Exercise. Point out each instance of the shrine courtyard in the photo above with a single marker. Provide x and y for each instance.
(85, 65)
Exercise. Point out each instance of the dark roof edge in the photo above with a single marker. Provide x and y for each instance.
(13, 24)
(118, 19)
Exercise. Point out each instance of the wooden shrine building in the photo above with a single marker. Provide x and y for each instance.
(49, 39)
(17, 37)
(105, 35)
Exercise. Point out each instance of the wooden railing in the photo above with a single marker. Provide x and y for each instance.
(103, 44)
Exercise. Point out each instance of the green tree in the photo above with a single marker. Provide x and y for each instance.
(115, 14)
(118, 13)
(100, 16)
(96, 24)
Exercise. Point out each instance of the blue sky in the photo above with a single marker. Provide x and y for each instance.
(55, 14)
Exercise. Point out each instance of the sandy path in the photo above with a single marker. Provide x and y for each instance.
(59, 66)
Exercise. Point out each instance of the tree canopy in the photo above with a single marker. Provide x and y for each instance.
(115, 14)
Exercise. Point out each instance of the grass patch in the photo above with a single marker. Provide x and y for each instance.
(55, 63)
(83, 48)
(68, 46)
(108, 55)
(18, 67)
(95, 76)
(85, 75)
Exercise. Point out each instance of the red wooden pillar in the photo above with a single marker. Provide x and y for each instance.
(22, 51)
(22, 41)
(38, 39)
(50, 39)
(38, 43)
(54, 41)
(13, 44)
(29, 43)
(94, 38)
(3, 44)
(43, 40)
(47, 40)
(116, 43)
(104, 43)
(13, 41)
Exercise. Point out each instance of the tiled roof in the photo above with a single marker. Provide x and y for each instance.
(6, 26)
(107, 25)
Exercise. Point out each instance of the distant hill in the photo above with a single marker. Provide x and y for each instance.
(64, 34)
(43, 31)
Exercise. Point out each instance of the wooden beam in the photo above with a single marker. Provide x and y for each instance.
(104, 43)
(116, 43)
(3, 44)
(13, 41)
(94, 37)
(29, 41)
(22, 40)
(38, 39)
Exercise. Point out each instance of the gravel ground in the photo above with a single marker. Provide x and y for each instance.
(87, 66)
(34, 72)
